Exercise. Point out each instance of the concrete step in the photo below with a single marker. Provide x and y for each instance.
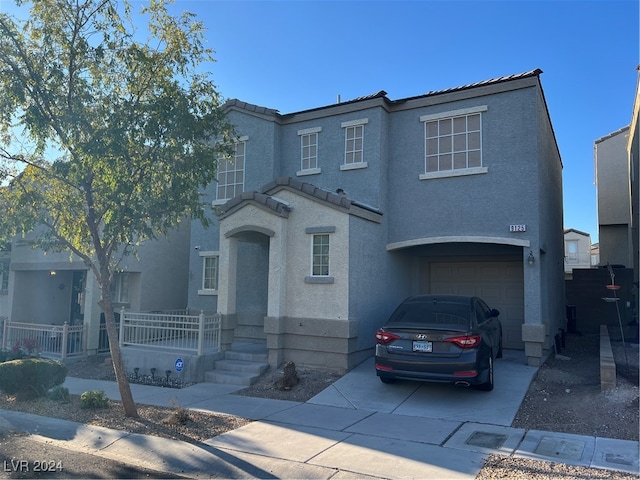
(241, 366)
(260, 357)
(231, 378)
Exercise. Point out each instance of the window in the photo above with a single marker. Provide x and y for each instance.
(309, 150)
(354, 144)
(353, 147)
(210, 262)
(320, 255)
(453, 142)
(571, 251)
(210, 273)
(309, 146)
(4, 275)
(231, 173)
(120, 288)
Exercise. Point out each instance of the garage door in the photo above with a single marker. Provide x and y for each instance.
(500, 284)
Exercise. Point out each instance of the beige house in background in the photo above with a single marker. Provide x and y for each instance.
(577, 250)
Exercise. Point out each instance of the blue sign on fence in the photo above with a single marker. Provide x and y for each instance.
(179, 365)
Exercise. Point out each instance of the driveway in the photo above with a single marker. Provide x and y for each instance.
(361, 389)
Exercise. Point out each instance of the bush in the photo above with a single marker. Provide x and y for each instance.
(59, 394)
(31, 377)
(94, 399)
(5, 355)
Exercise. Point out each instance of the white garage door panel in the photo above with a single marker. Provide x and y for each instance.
(500, 284)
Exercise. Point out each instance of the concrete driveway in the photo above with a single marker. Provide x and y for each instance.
(361, 389)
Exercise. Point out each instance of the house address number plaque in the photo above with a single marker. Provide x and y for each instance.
(517, 228)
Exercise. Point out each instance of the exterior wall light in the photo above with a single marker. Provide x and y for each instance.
(531, 260)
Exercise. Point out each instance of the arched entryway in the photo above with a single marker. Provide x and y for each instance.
(252, 286)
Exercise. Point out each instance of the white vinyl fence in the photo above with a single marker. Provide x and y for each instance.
(167, 331)
(176, 330)
(53, 340)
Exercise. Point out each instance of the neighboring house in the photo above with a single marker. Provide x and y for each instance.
(577, 250)
(613, 175)
(330, 217)
(55, 288)
(633, 155)
(595, 254)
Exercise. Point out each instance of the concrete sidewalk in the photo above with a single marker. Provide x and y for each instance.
(356, 427)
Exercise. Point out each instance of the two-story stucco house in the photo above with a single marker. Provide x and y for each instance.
(56, 287)
(577, 250)
(328, 218)
(613, 172)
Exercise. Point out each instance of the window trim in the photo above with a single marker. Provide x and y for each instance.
(5, 266)
(204, 255)
(316, 232)
(221, 201)
(572, 257)
(361, 122)
(116, 288)
(460, 171)
(312, 170)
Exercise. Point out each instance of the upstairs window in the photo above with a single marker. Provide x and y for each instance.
(4, 275)
(571, 251)
(453, 142)
(309, 151)
(354, 144)
(230, 176)
(309, 146)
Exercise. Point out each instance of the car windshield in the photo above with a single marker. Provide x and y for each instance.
(435, 315)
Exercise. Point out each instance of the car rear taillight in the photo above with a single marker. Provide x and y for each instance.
(466, 341)
(383, 337)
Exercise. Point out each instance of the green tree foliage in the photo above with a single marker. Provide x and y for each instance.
(136, 128)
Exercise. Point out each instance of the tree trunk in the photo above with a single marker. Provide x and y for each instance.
(130, 409)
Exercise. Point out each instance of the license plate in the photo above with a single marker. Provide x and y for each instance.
(422, 346)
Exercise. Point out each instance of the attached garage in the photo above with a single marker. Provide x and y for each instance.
(499, 283)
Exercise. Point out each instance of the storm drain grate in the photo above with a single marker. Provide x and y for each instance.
(486, 440)
(560, 448)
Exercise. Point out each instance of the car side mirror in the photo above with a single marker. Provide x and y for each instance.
(495, 313)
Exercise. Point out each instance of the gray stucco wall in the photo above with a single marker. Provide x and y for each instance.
(551, 243)
(362, 184)
(482, 204)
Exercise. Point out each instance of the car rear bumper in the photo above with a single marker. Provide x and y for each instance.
(456, 371)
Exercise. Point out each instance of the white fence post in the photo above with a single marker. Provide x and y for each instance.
(201, 332)
(65, 340)
(121, 333)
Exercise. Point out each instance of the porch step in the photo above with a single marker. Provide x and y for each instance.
(243, 365)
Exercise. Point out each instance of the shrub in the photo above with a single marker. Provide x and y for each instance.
(5, 355)
(94, 399)
(31, 377)
(59, 394)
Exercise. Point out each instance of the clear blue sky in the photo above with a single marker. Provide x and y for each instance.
(295, 55)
